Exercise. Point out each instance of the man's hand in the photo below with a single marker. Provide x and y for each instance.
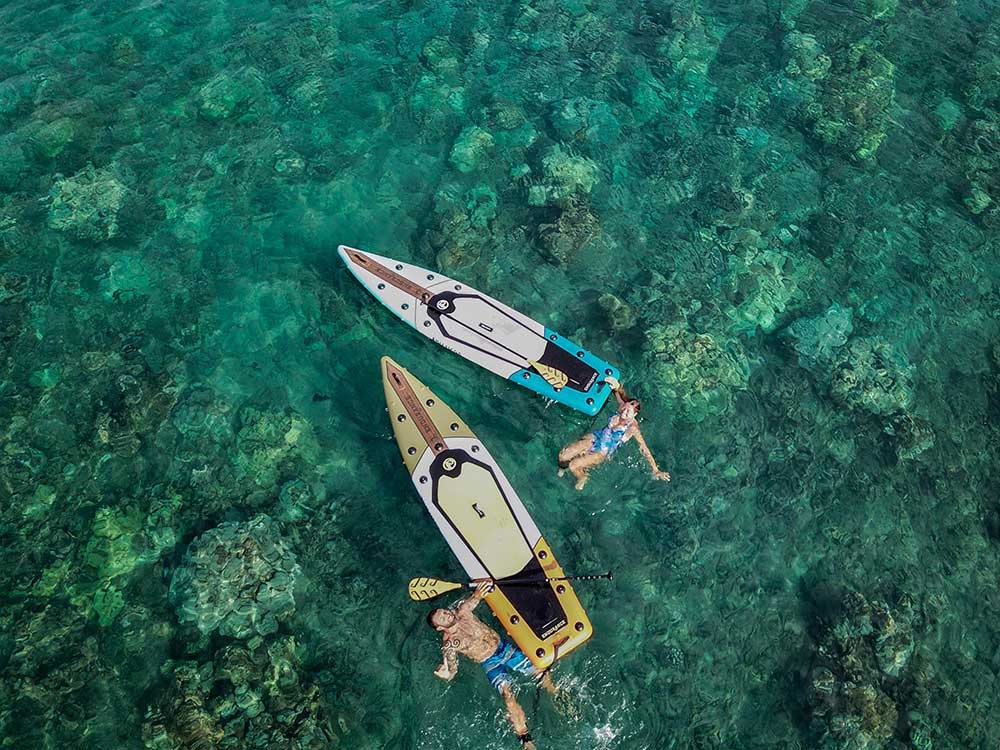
(613, 382)
(662, 475)
(484, 588)
(443, 673)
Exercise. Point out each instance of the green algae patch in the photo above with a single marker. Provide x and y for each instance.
(125, 539)
(40, 502)
(47, 377)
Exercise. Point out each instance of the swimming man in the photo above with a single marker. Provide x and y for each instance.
(464, 633)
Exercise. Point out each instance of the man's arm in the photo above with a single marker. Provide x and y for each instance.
(468, 605)
(648, 455)
(449, 662)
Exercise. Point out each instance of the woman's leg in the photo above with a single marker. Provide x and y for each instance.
(579, 466)
(575, 449)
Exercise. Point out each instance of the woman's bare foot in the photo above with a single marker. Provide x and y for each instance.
(581, 482)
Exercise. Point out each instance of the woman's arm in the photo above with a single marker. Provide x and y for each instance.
(616, 388)
(648, 455)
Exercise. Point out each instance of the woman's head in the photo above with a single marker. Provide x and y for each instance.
(630, 409)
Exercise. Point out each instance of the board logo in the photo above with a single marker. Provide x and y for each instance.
(553, 629)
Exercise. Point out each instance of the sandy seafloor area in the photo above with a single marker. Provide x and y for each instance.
(779, 218)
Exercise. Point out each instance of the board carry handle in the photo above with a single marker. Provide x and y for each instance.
(423, 588)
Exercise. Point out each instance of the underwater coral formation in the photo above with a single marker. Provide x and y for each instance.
(872, 375)
(87, 204)
(816, 340)
(694, 374)
(238, 578)
(862, 684)
(251, 694)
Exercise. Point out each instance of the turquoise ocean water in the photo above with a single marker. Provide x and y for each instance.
(780, 219)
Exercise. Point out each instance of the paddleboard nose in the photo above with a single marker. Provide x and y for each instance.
(342, 250)
(391, 367)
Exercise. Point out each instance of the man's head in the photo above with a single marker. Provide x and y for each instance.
(440, 619)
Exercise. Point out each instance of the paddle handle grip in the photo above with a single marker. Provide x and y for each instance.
(536, 581)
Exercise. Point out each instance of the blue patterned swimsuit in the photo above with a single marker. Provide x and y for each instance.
(610, 438)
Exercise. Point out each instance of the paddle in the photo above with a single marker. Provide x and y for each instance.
(422, 589)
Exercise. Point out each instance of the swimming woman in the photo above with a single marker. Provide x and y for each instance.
(597, 447)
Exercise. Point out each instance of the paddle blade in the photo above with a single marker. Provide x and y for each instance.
(422, 589)
(555, 378)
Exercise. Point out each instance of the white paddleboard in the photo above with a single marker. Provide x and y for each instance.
(485, 331)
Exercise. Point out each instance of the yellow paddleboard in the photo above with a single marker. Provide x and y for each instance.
(483, 520)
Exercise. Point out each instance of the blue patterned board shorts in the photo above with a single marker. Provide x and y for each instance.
(507, 660)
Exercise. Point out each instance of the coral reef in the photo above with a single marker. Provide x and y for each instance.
(269, 443)
(620, 315)
(461, 218)
(857, 697)
(574, 227)
(472, 146)
(238, 95)
(238, 578)
(980, 186)
(816, 340)
(873, 375)
(695, 374)
(251, 694)
(805, 57)
(850, 108)
(87, 204)
(762, 284)
(585, 120)
(122, 540)
(563, 175)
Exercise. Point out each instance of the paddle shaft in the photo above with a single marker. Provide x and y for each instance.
(539, 581)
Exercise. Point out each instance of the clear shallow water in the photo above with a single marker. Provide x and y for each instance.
(795, 205)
